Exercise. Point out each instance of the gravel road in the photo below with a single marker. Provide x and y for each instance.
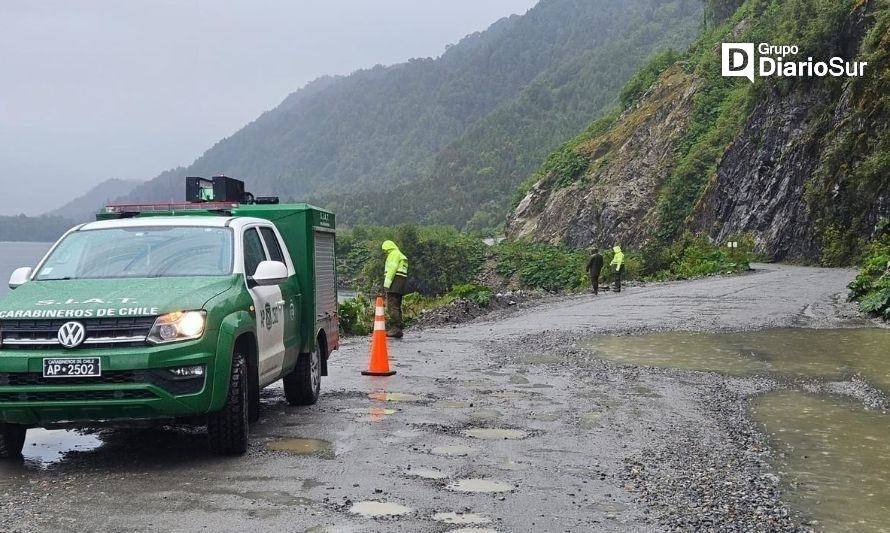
(589, 445)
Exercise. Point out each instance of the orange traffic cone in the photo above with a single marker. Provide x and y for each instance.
(379, 363)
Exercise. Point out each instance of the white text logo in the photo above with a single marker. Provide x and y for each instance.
(739, 60)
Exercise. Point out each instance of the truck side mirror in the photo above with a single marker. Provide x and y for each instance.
(269, 273)
(20, 276)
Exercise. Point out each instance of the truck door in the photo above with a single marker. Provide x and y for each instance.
(269, 308)
(290, 293)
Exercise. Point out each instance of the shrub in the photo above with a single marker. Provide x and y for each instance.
(438, 257)
(693, 256)
(478, 294)
(356, 316)
(871, 288)
(542, 266)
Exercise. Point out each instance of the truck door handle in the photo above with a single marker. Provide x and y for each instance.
(279, 304)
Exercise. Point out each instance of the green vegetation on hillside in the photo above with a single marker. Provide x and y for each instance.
(854, 172)
(439, 257)
(857, 161)
(844, 122)
(387, 145)
(477, 172)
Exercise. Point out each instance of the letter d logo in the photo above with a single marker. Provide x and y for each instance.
(738, 60)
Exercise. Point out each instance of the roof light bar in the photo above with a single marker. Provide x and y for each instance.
(163, 208)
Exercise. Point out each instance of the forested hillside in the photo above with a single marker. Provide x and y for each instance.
(801, 165)
(477, 172)
(33, 229)
(83, 208)
(470, 124)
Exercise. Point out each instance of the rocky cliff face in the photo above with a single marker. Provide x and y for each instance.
(803, 171)
(613, 202)
(759, 187)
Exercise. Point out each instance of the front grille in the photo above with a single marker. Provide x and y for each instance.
(160, 378)
(100, 332)
(75, 396)
(30, 379)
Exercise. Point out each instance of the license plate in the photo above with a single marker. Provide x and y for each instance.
(84, 367)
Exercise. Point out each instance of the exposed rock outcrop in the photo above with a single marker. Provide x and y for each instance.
(614, 201)
(805, 170)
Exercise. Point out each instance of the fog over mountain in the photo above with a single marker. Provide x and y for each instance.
(94, 90)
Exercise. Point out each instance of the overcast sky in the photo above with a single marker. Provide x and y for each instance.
(91, 90)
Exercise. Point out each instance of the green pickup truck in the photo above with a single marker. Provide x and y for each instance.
(170, 313)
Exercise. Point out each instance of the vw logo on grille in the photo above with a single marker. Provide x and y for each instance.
(72, 334)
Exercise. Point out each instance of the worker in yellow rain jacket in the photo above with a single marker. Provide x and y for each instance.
(617, 267)
(395, 281)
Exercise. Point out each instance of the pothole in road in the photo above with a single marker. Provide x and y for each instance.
(372, 509)
(369, 411)
(461, 518)
(456, 450)
(370, 414)
(590, 419)
(546, 417)
(280, 498)
(426, 473)
(394, 397)
(480, 485)
(43, 446)
(474, 530)
(485, 414)
(320, 448)
(495, 433)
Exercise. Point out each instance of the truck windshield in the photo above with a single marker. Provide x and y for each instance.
(144, 252)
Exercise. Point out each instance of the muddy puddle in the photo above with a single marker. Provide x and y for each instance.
(43, 447)
(383, 396)
(480, 485)
(372, 509)
(314, 447)
(834, 458)
(834, 354)
(426, 473)
(833, 455)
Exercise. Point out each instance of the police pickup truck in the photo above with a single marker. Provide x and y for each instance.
(171, 313)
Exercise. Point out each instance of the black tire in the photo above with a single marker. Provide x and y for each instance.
(12, 440)
(253, 393)
(303, 385)
(228, 428)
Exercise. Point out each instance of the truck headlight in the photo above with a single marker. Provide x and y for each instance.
(178, 326)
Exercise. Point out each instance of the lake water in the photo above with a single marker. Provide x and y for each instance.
(18, 254)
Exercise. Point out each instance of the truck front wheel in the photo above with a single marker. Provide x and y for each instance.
(12, 440)
(303, 385)
(227, 429)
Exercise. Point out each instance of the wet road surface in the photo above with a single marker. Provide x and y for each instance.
(504, 424)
